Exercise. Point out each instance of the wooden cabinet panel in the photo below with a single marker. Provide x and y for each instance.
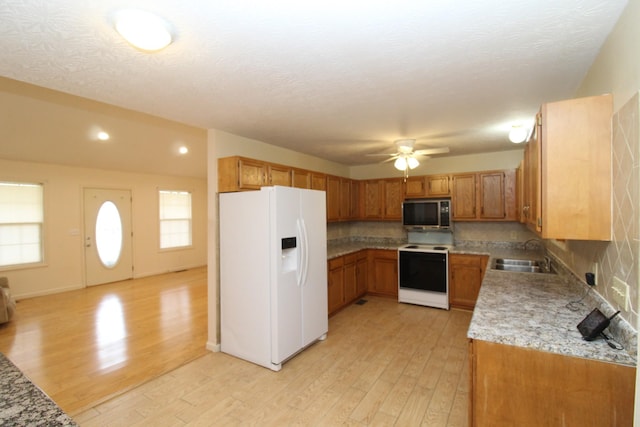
(383, 272)
(393, 198)
(301, 178)
(574, 145)
(335, 285)
(347, 277)
(514, 386)
(318, 181)
(350, 277)
(372, 195)
(492, 196)
(279, 175)
(361, 273)
(238, 173)
(465, 277)
(345, 199)
(333, 198)
(464, 197)
(438, 185)
(531, 174)
(340, 200)
(415, 187)
(485, 196)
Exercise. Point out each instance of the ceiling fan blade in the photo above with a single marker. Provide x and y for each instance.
(381, 154)
(389, 160)
(431, 151)
(421, 156)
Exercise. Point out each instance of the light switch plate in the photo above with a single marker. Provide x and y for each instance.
(621, 293)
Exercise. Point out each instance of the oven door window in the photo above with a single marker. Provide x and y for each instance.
(423, 271)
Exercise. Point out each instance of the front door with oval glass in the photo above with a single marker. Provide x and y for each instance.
(107, 235)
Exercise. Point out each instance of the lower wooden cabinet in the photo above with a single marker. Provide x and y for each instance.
(465, 277)
(347, 277)
(383, 272)
(515, 386)
(351, 276)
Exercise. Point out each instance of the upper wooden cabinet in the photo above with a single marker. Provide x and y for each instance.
(393, 198)
(239, 173)
(415, 187)
(318, 181)
(341, 203)
(438, 185)
(464, 197)
(300, 178)
(428, 186)
(570, 170)
(372, 199)
(382, 198)
(484, 196)
(279, 175)
(476, 196)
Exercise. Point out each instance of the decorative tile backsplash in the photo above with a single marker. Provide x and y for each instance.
(620, 259)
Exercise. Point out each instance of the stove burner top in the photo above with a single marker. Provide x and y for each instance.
(426, 248)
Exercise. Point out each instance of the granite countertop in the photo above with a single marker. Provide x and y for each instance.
(24, 404)
(345, 247)
(528, 309)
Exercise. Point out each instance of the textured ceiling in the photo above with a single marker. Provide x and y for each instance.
(336, 78)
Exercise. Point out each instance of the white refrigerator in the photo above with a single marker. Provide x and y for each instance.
(273, 273)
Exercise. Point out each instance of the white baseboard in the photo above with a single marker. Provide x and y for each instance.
(213, 347)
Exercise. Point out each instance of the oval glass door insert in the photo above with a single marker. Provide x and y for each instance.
(109, 234)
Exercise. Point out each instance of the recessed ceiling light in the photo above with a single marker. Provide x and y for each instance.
(103, 136)
(183, 150)
(143, 30)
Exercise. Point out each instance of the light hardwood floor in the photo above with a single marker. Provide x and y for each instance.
(85, 346)
(383, 363)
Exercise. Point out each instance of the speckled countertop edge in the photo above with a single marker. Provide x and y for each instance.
(523, 309)
(23, 403)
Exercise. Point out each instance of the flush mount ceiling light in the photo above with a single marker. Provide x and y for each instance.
(518, 134)
(143, 30)
(103, 136)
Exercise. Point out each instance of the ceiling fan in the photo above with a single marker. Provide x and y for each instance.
(406, 158)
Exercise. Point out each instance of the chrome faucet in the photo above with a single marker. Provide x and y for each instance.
(524, 245)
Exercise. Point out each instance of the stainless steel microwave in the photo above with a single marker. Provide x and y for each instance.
(426, 214)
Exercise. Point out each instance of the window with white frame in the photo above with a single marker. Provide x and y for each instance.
(21, 223)
(175, 219)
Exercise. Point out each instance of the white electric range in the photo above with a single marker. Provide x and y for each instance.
(423, 269)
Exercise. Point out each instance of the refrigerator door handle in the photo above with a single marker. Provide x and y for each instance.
(304, 253)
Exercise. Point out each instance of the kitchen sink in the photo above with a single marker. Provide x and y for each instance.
(520, 265)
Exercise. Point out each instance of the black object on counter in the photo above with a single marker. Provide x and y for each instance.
(592, 326)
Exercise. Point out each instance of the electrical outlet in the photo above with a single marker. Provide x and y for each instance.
(514, 235)
(621, 293)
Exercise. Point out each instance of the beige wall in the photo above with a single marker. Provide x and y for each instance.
(616, 70)
(467, 163)
(228, 144)
(63, 234)
(233, 145)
